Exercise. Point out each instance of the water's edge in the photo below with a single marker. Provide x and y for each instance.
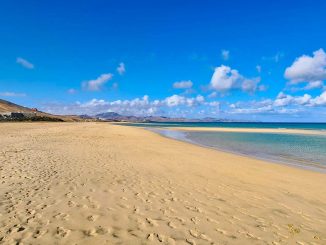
(182, 136)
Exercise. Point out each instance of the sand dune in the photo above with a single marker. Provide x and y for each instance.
(96, 183)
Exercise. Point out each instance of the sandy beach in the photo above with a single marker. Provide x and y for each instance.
(97, 183)
(251, 130)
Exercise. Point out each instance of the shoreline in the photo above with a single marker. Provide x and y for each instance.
(291, 163)
(228, 129)
(252, 130)
(96, 183)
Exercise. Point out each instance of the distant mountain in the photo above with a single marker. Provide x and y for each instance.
(109, 115)
(113, 116)
(13, 112)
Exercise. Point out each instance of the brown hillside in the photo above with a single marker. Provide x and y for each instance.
(8, 107)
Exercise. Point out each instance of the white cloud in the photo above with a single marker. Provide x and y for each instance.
(285, 100)
(302, 100)
(25, 63)
(175, 100)
(121, 69)
(314, 85)
(198, 100)
(225, 79)
(263, 109)
(319, 100)
(225, 54)
(183, 84)
(250, 85)
(214, 103)
(212, 95)
(139, 106)
(308, 69)
(12, 94)
(98, 83)
(71, 91)
(283, 104)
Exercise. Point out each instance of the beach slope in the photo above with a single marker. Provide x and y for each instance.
(96, 183)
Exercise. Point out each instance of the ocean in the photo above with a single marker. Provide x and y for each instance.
(307, 126)
(303, 150)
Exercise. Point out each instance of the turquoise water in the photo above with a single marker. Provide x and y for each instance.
(307, 126)
(298, 149)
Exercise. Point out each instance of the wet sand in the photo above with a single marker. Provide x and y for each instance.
(252, 130)
(96, 183)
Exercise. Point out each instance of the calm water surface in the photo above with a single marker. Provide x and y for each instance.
(307, 126)
(298, 149)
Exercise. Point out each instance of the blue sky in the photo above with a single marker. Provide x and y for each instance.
(250, 60)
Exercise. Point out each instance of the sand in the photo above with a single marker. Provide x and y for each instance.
(252, 130)
(96, 183)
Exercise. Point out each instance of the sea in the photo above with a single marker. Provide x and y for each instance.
(301, 150)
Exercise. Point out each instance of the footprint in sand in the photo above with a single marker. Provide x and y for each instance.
(223, 232)
(194, 233)
(122, 205)
(194, 220)
(193, 208)
(151, 222)
(94, 205)
(71, 204)
(61, 216)
(62, 232)
(160, 238)
(92, 217)
(82, 206)
(190, 241)
(172, 225)
(90, 232)
(69, 195)
(40, 232)
(101, 230)
(199, 235)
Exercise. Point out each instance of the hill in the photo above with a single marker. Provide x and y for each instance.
(12, 112)
(6, 107)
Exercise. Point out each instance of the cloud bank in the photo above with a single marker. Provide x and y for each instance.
(282, 104)
(175, 105)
